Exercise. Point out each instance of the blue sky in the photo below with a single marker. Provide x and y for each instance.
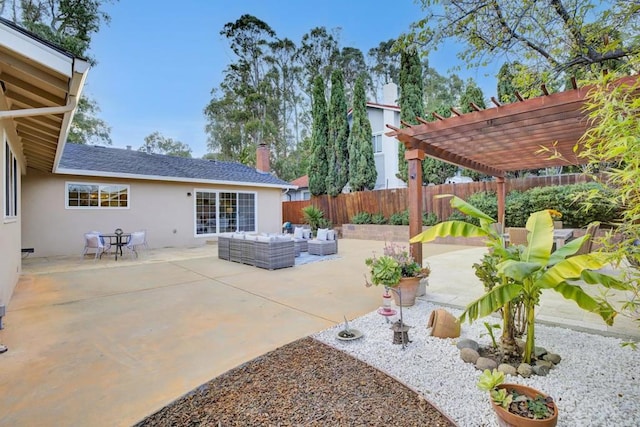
(158, 60)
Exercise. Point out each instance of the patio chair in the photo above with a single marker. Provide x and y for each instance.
(517, 235)
(325, 243)
(136, 241)
(94, 241)
(592, 230)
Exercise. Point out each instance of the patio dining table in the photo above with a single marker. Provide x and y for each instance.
(118, 240)
(561, 236)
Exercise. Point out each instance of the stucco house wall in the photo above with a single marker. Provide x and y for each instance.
(10, 238)
(166, 210)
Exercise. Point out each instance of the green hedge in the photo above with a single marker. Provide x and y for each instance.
(566, 199)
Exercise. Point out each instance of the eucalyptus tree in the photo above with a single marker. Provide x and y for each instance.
(362, 167)
(318, 53)
(318, 163)
(338, 152)
(70, 25)
(353, 66)
(384, 66)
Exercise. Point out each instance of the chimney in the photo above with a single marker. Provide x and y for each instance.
(262, 159)
(129, 147)
(390, 94)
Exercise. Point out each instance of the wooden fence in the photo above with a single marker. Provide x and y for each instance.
(341, 208)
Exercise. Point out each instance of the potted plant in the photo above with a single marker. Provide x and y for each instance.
(396, 269)
(518, 405)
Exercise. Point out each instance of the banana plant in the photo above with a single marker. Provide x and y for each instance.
(488, 229)
(538, 269)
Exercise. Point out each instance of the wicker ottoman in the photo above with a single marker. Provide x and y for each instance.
(323, 247)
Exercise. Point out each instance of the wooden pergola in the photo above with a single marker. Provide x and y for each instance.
(497, 140)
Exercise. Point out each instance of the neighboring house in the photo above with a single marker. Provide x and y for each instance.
(178, 201)
(301, 193)
(40, 85)
(385, 148)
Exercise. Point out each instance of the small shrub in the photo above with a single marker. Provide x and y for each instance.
(457, 216)
(361, 218)
(429, 219)
(399, 218)
(378, 219)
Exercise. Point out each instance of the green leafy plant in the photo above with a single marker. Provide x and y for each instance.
(525, 274)
(384, 270)
(490, 327)
(538, 407)
(313, 216)
(399, 218)
(489, 381)
(394, 264)
(429, 219)
(361, 218)
(378, 219)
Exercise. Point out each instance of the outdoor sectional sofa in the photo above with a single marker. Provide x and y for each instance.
(269, 252)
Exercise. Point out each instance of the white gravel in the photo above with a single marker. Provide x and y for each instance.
(597, 383)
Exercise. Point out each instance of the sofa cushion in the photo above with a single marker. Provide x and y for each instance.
(322, 233)
(297, 233)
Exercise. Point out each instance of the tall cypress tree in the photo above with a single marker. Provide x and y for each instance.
(362, 168)
(338, 152)
(411, 98)
(318, 167)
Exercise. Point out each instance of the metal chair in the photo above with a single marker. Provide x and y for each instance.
(96, 242)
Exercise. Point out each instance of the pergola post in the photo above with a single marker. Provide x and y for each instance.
(414, 158)
(501, 202)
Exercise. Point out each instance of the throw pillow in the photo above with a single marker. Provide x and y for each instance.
(331, 235)
(297, 233)
(322, 233)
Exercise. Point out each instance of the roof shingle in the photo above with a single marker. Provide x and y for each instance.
(88, 158)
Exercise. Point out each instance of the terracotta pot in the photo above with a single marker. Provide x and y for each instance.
(443, 324)
(408, 286)
(507, 419)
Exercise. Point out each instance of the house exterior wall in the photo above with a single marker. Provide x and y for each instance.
(10, 238)
(163, 209)
(387, 160)
(296, 195)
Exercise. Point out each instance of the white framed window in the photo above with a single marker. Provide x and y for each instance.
(10, 183)
(376, 140)
(224, 211)
(84, 195)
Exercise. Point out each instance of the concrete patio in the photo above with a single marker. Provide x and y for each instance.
(107, 343)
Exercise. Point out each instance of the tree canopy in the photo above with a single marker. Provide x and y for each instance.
(552, 37)
(159, 144)
(362, 167)
(71, 25)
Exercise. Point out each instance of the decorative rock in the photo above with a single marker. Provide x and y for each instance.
(507, 369)
(469, 355)
(520, 343)
(467, 343)
(544, 363)
(485, 363)
(552, 357)
(541, 370)
(538, 352)
(525, 370)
